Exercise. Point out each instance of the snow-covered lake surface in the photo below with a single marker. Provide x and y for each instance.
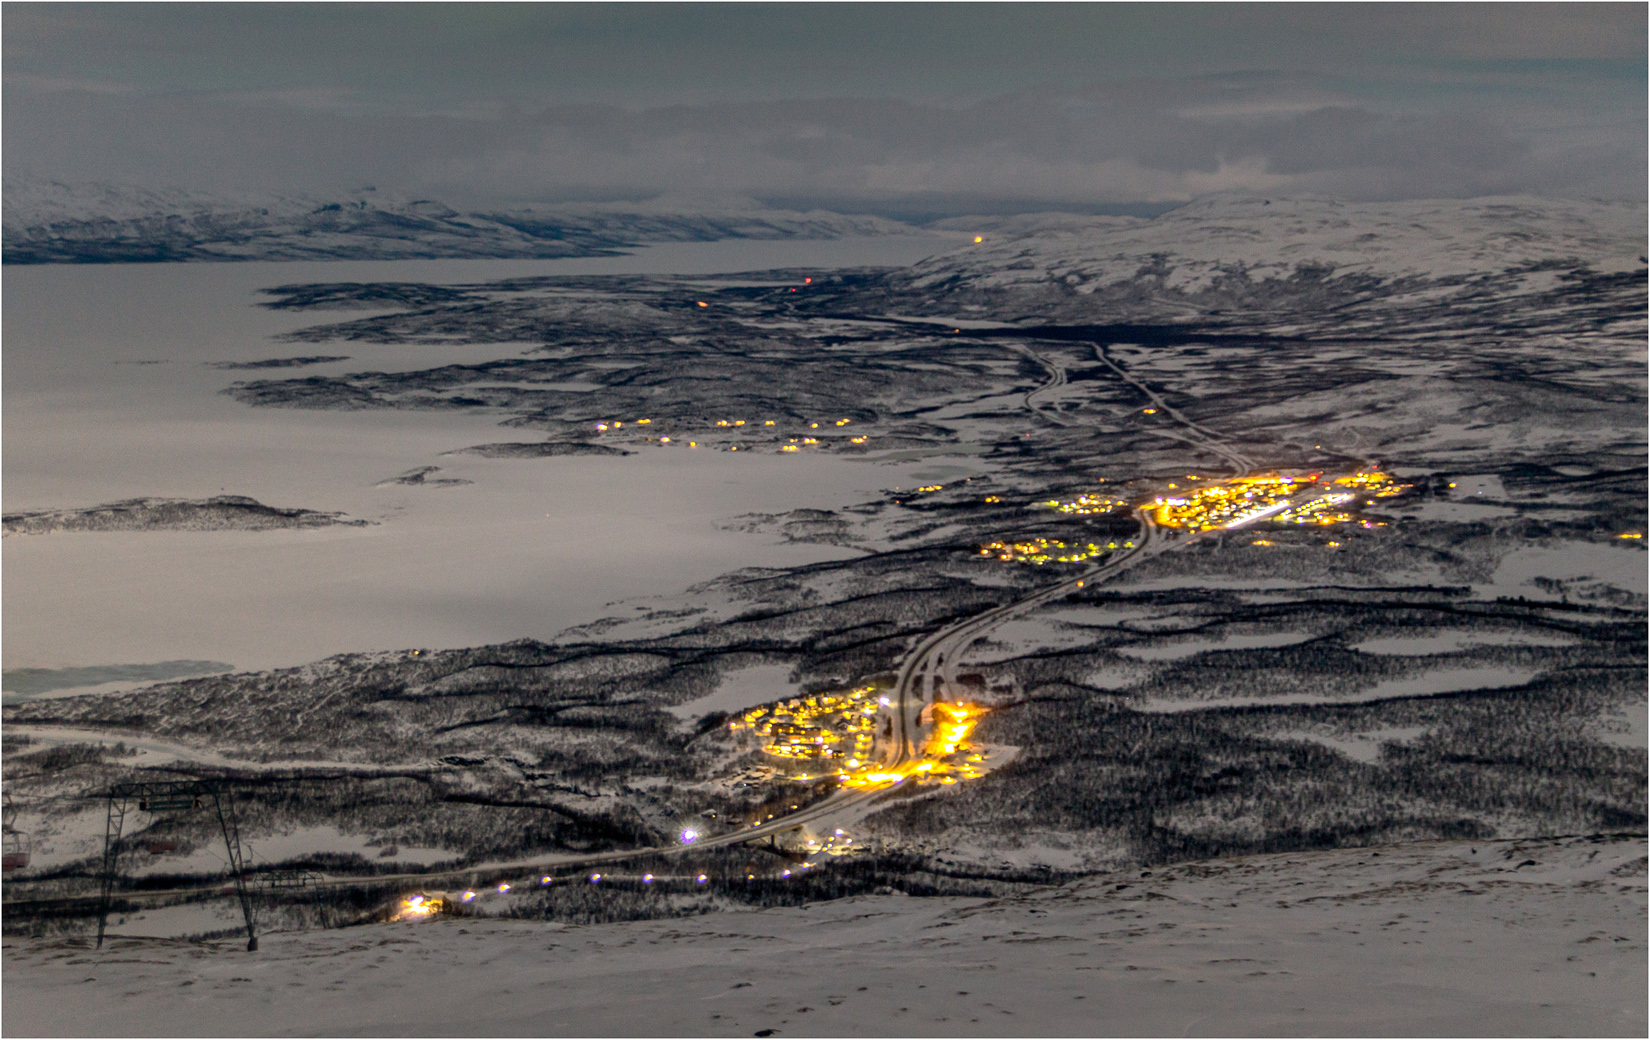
(108, 395)
(1502, 938)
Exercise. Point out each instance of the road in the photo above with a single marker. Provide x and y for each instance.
(927, 671)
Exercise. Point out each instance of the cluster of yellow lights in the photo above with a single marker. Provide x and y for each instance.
(1085, 505)
(931, 487)
(840, 728)
(835, 844)
(1046, 550)
(825, 726)
(795, 443)
(946, 758)
(1632, 535)
(1235, 502)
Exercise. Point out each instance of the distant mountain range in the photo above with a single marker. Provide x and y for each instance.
(50, 222)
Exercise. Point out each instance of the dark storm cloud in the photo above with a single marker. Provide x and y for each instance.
(844, 105)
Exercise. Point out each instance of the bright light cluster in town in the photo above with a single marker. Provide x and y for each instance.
(945, 759)
(1301, 499)
(824, 726)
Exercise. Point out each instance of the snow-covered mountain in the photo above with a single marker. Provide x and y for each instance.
(1235, 256)
(54, 222)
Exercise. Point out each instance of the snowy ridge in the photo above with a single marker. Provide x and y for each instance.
(1217, 249)
(54, 222)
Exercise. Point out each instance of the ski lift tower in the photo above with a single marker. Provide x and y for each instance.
(173, 797)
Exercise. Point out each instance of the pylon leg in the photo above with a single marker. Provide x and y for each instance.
(113, 823)
(232, 842)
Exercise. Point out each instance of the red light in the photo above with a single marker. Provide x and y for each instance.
(807, 281)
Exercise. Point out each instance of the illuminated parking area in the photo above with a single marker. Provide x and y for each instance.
(946, 758)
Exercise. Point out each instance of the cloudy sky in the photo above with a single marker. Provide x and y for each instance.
(901, 109)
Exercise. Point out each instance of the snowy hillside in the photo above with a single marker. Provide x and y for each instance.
(1248, 255)
(53, 222)
(1430, 939)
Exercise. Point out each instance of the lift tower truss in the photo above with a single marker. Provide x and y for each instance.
(168, 797)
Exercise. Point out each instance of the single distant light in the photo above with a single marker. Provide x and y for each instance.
(466, 897)
(689, 836)
(545, 880)
(883, 701)
(595, 878)
(979, 238)
(807, 281)
(647, 879)
(503, 886)
(701, 879)
(702, 303)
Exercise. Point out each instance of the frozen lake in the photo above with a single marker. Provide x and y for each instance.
(108, 395)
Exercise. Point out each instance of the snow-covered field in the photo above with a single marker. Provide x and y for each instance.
(1515, 938)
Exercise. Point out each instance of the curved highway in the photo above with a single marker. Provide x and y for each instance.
(927, 670)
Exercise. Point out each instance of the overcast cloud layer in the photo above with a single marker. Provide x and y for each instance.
(912, 110)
